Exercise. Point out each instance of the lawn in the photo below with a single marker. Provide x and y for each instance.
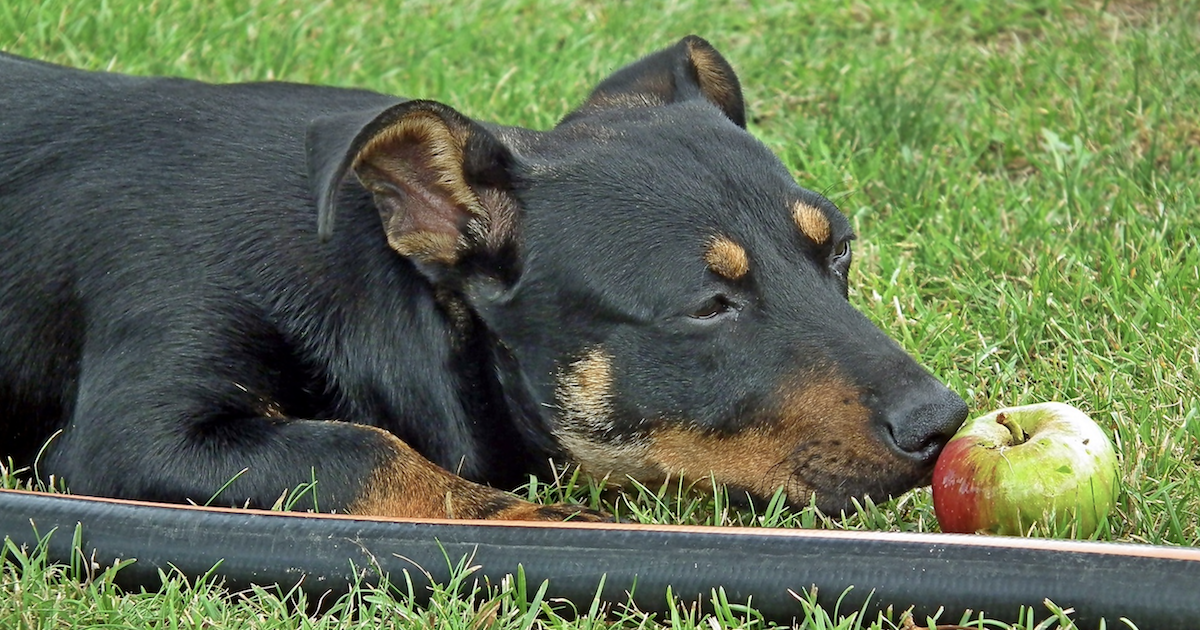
(1023, 178)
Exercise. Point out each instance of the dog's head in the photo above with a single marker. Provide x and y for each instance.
(676, 304)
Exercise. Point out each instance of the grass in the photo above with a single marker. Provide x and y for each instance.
(1023, 177)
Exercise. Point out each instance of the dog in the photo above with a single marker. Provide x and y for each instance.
(217, 293)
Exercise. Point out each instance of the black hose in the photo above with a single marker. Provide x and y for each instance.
(1155, 587)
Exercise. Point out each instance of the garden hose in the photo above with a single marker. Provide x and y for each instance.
(942, 575)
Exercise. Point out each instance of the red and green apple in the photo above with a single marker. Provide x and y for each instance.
(1047, 463)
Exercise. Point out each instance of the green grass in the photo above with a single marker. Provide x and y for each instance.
(1023, 177)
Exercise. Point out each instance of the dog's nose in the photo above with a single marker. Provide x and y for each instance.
(924, 421)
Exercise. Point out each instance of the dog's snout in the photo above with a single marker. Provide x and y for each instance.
(921, 425)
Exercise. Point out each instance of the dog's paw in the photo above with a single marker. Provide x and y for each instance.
(554, 512)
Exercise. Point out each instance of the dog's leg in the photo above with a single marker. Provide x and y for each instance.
(409, 485)
(358, 469)
(182, 425)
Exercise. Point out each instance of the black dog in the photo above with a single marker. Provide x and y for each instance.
(643, 290)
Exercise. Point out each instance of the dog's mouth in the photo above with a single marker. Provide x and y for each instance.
(821, 473)
(816, 439)
(837, 476)
(835, 496)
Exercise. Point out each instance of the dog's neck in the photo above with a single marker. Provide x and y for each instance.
(527, 414)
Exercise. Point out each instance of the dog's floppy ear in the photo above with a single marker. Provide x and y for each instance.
(688, 70)
(441, 182)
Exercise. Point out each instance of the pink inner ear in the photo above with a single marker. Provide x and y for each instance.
(415, 167)
(417, 180)
(428, 209)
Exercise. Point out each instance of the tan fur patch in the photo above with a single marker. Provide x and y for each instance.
(585, 399)
(818, 440)
(425, 246)
(410, 486)
(585, 391)
(822, 433)
(584, 396)
(812, 222)
(727, 258)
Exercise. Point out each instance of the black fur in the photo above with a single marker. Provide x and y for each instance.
(170, 317)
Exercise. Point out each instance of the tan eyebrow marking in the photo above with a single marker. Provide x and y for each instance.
(812, 222)
(727, 258)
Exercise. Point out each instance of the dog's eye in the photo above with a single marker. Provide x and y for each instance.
(839, 260)
(843, 251)
(714, 308)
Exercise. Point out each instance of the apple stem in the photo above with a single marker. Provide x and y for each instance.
(1013, 428)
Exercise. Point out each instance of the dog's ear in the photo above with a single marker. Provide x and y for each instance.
(688, 70)
(441, 182)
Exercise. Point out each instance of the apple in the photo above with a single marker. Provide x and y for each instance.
(1003, 471)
